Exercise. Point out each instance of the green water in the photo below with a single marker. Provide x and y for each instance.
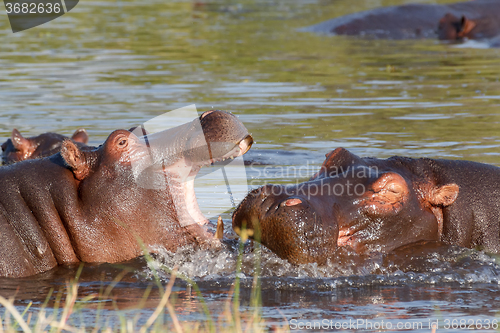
(113, 64)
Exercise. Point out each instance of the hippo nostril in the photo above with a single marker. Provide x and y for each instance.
(292, 202)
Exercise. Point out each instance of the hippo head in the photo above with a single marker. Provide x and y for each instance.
(355, 202)
(157, 167)
(452, 28)
(19, 148)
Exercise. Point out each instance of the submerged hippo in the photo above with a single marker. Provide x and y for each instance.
(412, 20)
(457, 28)
(19, 148)
(372, 205)
(99, 205)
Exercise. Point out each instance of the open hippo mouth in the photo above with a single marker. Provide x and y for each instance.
(174, 157)
(181, 177)
(238, 149)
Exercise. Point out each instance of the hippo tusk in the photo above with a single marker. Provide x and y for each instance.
(219, 233)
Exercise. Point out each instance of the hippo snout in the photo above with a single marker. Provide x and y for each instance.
(244, 219)
(287, 224)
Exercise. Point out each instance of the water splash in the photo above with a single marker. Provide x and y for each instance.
(429, 264)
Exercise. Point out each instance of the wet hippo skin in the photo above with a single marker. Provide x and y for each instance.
(95, 205)
(19, 148)
(375, 205)
(415, 21)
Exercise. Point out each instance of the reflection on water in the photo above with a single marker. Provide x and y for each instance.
(116, 64)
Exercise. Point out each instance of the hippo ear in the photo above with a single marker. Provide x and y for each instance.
(19, 142)
(466, 26)
(337, 161)
(444, 195)
(81, 136)
(75, 159)
(387, 194)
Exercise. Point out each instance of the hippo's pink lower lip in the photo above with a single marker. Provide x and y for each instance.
(186, 204)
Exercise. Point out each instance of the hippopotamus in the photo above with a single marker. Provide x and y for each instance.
(456, 28)
(415, 21)
(110, 204)
(375, 205)
(19, 148)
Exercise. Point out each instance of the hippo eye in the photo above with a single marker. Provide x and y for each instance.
(122, 143)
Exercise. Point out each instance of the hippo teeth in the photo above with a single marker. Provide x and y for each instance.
(222, 159)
